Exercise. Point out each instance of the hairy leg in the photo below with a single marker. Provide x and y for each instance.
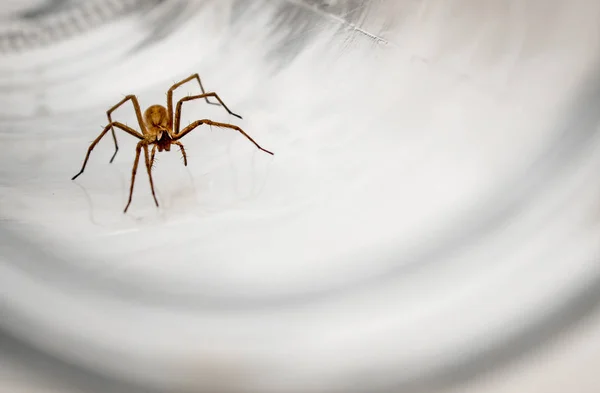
(198, 123)
(152, 156)
(190, 98)
(138, 113)
(175, 86)
(121, 126)
(149, 170)
(138, 150)
(182, 151)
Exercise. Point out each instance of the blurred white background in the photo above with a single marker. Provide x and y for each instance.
(429, 221)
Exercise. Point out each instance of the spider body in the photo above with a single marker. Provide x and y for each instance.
(159, 128)
(157, 125)
(156, 118)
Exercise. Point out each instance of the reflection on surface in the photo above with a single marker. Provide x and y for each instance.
(432, 161)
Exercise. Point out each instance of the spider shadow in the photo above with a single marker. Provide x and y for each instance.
(175, 192)
(90, 204)
(258, 178)
(92, 207)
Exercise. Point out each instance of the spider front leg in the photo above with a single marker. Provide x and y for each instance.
(197, 123)
(138, 114)
(152, 156)
(190, 98)
(175, 86)
(182, 151)
(149, 170)
(121, 126)
(142, 144)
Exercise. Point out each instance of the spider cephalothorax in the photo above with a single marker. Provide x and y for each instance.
(157, 124)
(156, 117)
(160, 129)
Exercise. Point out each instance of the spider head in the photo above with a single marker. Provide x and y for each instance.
(163, 140)
(156, 117)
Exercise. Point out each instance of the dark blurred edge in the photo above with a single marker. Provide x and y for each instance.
(570, 313)
(71, 377)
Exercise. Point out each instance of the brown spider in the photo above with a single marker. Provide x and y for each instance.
(159, 130)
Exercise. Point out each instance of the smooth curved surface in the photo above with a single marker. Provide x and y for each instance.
(430, 211)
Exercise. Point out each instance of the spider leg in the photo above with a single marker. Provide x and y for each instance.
(152, 156)
(190, 98)
(175, 86)
(197, 123)
(149, 170)
(138, 150)
(121, 126)
(182, 151)
(138, 113)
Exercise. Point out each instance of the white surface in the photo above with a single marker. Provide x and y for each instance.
(346, 258)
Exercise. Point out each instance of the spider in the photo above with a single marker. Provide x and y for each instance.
(160, 129)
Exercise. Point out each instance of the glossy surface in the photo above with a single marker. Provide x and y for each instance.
(431, 210)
